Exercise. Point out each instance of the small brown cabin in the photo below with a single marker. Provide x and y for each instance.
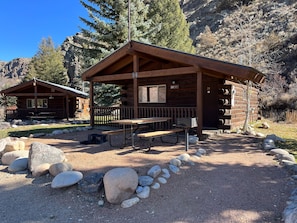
(38, 99)
(160, 82)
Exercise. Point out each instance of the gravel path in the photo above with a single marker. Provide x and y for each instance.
(235, 182)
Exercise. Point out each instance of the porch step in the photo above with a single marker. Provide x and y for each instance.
(224, 127)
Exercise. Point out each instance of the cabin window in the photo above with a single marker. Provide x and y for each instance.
(152, 94)
(41, 103)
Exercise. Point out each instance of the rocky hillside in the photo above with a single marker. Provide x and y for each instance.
(219, 26)
(214, 30)
(12, 72)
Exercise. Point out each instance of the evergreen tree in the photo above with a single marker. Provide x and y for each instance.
(106, 94)
(108, 26)
(174, 31)
(47, 64)
(108, 30)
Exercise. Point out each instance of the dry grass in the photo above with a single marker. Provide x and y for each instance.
(287, 131)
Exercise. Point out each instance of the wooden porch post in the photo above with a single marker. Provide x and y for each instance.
(135, 84)
(35, 96)
(91, 103)
(67, 107)
(199, 103)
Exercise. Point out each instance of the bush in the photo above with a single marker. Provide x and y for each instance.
(231, 4)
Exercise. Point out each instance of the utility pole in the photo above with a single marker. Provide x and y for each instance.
(129, 22)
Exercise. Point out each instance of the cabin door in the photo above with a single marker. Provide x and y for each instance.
(210, 104)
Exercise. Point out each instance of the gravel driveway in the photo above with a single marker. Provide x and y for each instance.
(235, 182)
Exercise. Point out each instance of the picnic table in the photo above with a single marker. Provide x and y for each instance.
(134, 125)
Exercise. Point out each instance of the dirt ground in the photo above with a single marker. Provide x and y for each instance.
(235, 182)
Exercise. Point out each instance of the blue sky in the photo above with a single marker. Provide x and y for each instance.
(25, 22)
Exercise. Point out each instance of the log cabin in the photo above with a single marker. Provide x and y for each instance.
(38, 99)
(161, 82)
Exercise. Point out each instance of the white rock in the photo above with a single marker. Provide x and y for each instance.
(193, 139)
(202, 151)
(101, 203)
(259, 134)
(265, 125)
(174, 168)
(175, 162)
(156, 185)
(17, 165)
(154, 171)
(145, 193)
(162, 180)
(130, 202)
(139, 189)
(145, 180)
(290, 215)
(288, 157)
(9, 157)
(184, 157)
(57, 132)
(166, 173)
(278, 151)
(66, 179)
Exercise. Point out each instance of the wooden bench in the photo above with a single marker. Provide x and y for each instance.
(159, 134)
(110, 133)
(42, 115)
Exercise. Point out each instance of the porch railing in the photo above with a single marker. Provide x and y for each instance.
(26, 113)
(104, 115)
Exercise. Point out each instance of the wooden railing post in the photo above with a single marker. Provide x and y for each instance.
(92, 103)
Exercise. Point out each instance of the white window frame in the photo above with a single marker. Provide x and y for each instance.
(41, 103)
(152, 93)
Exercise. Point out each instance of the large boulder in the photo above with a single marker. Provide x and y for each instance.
(9, 157)
(120, 184)
(40, 153)
(14, 146)
(3, 143)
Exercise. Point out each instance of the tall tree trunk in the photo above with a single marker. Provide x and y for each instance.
(248, 106)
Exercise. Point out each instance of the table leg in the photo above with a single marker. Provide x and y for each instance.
(132, 137)
(125, 136)
(187, 138)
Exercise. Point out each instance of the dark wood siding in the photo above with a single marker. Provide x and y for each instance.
(238, 111)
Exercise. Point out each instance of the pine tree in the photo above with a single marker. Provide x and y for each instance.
(108, 30)
(108, 26)
(47, 64)
(174, 31)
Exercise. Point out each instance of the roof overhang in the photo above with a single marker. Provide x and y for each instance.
(61, 90)
(119, 65)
